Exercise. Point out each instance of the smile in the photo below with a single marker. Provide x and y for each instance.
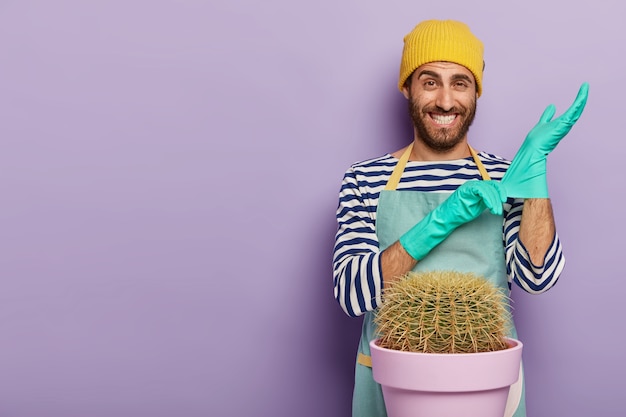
(443, 119)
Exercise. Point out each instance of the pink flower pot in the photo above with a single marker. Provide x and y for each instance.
(446, 385)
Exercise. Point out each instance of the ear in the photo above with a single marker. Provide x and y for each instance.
(405, 91)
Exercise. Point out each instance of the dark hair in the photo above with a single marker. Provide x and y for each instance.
(407, 82)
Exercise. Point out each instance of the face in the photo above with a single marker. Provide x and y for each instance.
(442, 104)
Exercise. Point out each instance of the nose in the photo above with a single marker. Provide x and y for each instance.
(445, 100)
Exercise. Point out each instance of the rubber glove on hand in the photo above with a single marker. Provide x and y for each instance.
(526, 176)
(464, 205)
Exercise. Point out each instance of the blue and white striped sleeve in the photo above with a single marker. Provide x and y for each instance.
(534, 279)
(357, 275)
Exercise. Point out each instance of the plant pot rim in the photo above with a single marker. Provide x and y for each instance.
(446, 372)
(513, 343)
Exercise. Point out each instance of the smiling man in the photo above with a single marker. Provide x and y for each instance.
(442, 104)
(439, 204)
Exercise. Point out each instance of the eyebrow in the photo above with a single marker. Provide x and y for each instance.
(428, 73)
(455, 77)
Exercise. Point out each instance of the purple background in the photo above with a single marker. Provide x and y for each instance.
(169, 173)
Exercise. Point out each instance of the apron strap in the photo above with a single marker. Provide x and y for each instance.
(394, 180)
(481, 167)
(363, 359)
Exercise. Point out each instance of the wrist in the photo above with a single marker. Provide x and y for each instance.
(425, 235)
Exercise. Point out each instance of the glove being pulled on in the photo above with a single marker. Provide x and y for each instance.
(526, 176)
(462, 206)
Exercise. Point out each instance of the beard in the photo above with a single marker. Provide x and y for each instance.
(441, 139)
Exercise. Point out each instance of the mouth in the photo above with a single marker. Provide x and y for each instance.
(443, 120)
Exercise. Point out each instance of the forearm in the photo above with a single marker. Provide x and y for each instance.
(534, 277)
(395, 262)
(537, 228)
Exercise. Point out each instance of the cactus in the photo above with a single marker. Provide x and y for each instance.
(443, 312)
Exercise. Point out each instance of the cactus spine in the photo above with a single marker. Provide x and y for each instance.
(443, 312)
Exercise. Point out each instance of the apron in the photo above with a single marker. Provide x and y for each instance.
(473, 247)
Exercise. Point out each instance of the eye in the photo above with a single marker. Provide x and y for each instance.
(461, 85)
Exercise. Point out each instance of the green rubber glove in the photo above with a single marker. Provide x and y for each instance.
(463, 205)
(526, 176)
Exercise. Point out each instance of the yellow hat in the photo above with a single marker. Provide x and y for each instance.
(442, 40)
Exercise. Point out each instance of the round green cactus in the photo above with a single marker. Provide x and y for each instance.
(443, 312)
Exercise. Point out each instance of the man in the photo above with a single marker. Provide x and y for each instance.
(438, 204)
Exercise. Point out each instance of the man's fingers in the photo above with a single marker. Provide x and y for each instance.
(576, 109)
(547, 114)
(492, 193)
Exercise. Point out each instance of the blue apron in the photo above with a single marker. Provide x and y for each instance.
(474, 247)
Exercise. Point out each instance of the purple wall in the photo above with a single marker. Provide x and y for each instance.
(169, 174)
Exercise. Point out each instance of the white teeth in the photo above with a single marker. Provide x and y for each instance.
(443, 120)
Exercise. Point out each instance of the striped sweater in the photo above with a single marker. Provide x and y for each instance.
(357, 274)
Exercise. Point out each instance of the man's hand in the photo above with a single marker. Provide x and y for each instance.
(462, 206)
(526, 177)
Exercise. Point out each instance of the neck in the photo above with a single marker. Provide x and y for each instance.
(422, 152)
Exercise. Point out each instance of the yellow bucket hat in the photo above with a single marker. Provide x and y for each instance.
(442, 40)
